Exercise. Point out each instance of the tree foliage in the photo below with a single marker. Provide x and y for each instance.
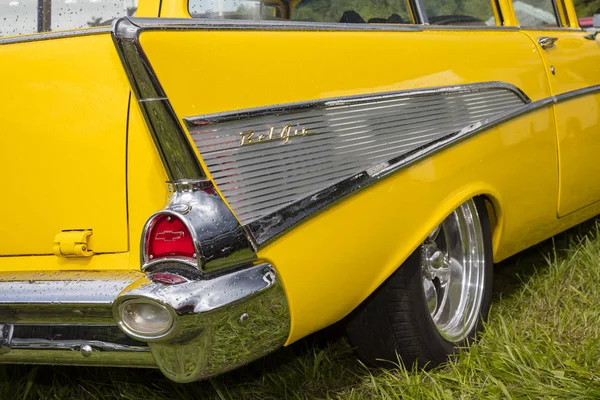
(587, 8)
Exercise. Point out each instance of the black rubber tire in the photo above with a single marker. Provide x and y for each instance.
(394, 324)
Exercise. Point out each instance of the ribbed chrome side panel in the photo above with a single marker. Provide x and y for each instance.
(349, 136)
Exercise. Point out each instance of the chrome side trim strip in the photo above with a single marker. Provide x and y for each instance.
(348, 100)
(178, 156)
(576, 93)
(54, 35)
(271, 226)
(549, 29)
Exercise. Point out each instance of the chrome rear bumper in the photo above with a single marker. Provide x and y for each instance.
(72, 318)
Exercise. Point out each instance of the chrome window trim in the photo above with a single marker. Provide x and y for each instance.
(418, 7)
(54, 35)
(153, 24)
(194, 24)
(242, 24)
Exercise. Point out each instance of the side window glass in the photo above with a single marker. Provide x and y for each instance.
(235, 9)
(18, 17)
(345, 11)
(352, 11)
(536, 13)
(460, 12)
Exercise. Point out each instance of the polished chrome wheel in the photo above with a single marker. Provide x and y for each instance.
(453, 272)
(436, 301)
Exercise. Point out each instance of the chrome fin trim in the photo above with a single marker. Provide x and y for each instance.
(171, 141)
(221, 242)
(271, 225)
(219, 239)
(209, 119)
(310, 146)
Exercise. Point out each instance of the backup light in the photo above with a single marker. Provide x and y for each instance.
(145, 319)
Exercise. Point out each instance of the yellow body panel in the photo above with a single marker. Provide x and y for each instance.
(224, 75)
(340, 256)
(64, 113)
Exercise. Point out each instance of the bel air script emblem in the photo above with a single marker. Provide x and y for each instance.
(251, 137)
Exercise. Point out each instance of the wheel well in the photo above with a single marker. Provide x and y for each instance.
(495, 215)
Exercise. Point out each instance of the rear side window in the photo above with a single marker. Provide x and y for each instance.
(353, 11)
(344, 11)
(235, 9)
(460, 12)
(536, 13)
(19, 17)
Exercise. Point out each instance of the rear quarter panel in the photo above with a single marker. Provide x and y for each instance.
(332, 262)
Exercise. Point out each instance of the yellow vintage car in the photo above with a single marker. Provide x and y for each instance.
(212, 180)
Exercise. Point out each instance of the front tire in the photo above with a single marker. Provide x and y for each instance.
(436, 301)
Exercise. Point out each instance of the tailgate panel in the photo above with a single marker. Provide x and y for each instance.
(62, 144)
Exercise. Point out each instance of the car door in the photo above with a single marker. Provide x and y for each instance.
(572, 64)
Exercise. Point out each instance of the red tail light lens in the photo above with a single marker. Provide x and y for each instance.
(169, 237)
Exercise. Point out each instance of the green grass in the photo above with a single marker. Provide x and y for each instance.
(542, 341)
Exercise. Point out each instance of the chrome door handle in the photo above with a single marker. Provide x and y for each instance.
(547, 42)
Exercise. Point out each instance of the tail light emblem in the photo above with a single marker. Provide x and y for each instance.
(169, 236)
